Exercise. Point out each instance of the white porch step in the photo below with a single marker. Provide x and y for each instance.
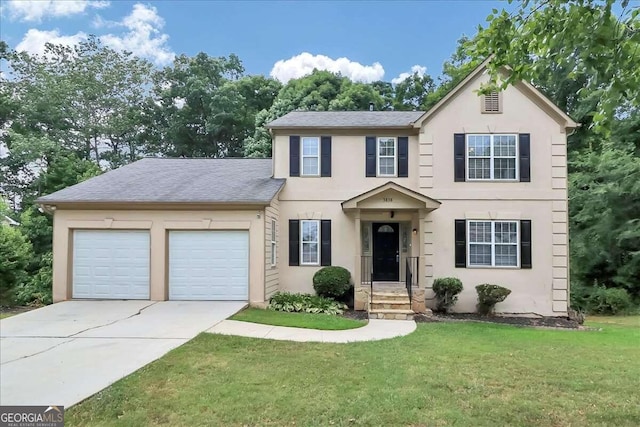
(391, 314)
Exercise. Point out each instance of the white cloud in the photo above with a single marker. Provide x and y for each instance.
(403, 76)
(34, 41)
(144, 36)
(36, 10)
(303, 64)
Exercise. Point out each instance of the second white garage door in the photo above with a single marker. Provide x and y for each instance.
(209, 265)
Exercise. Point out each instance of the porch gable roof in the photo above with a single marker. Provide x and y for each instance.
(412, 199)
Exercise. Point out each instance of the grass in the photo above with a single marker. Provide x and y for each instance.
(616, 320)
(298, 320)
(5, 315)
(463, 374)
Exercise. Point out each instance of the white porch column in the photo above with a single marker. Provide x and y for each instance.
(422, 277)
(357, 274)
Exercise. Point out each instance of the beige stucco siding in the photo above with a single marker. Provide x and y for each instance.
(543, 200)
(272, 276)
(344, 239)
(347, 166)
(159, 222)
(531, 289)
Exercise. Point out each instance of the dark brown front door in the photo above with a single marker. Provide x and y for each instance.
(386, 255)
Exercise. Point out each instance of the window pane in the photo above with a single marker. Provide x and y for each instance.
(479, 168)
(506, 232)
(480, 232)
(479, 254)
(479, 145)
(507, 255)
(309, 231)
(387, 166)
(309, 253)
(310, 146)
(504, 145)
(386, 146)
(504, 168)
(310, 166)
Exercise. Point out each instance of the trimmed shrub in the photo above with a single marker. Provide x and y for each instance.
(331, 282)
(608, 300)
(489, 296)
(446, 290)
(305, 303)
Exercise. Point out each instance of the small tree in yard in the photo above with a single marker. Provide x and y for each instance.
(15, 253)
(489, 296)
(331, 282)
(446, 290)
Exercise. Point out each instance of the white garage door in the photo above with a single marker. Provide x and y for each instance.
(110, 264)
(209, 265)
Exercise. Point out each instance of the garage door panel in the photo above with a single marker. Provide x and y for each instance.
(209, 265)
(110, 264)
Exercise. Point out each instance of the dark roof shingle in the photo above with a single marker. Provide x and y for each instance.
(157, 180)
(346, 119)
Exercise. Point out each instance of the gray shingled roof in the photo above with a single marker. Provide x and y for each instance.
(346, 119)
(156, 180)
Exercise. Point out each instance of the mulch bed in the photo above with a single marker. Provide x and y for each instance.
(549, 322)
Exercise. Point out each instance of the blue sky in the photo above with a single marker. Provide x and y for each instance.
(378, 40)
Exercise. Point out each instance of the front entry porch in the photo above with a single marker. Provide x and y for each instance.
(390, 223)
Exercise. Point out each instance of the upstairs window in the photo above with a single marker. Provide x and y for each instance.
(387, 156)
(310, 156)
(492, 157)
(491, 103)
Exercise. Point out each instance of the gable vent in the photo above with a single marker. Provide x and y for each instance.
(492, 103)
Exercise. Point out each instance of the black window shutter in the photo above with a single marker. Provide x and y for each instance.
(525, 157)
(525, 243)
(461, 243)
(371, 156)
(325, 242)
(459, 157)
(325, 156)
(294, 155)
(294, 242)
(403, 156)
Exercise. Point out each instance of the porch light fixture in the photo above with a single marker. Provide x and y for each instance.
(392, 214)
(415, 231)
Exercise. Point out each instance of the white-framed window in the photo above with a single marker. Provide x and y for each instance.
(387, 151)
(492, 157)
(310, 159)
(493, 244)
(309, 242)
(273, 243)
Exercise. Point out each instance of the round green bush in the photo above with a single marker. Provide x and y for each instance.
(446, 290)
(331, 282)
(489, 296)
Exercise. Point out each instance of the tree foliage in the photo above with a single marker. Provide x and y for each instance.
(576, 40)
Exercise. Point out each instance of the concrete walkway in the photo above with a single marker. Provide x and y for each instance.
(375, 330)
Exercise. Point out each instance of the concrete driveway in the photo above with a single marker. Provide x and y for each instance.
(63, 353)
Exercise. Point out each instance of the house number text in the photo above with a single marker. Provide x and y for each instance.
(387, 199)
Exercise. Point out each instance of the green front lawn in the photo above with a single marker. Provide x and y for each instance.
(297, 320)
(5, 315)
(463, 374)
(616, 320)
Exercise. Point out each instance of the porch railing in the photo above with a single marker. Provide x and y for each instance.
(411, 270)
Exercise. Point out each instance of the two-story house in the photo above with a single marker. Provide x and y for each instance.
(474, 188)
